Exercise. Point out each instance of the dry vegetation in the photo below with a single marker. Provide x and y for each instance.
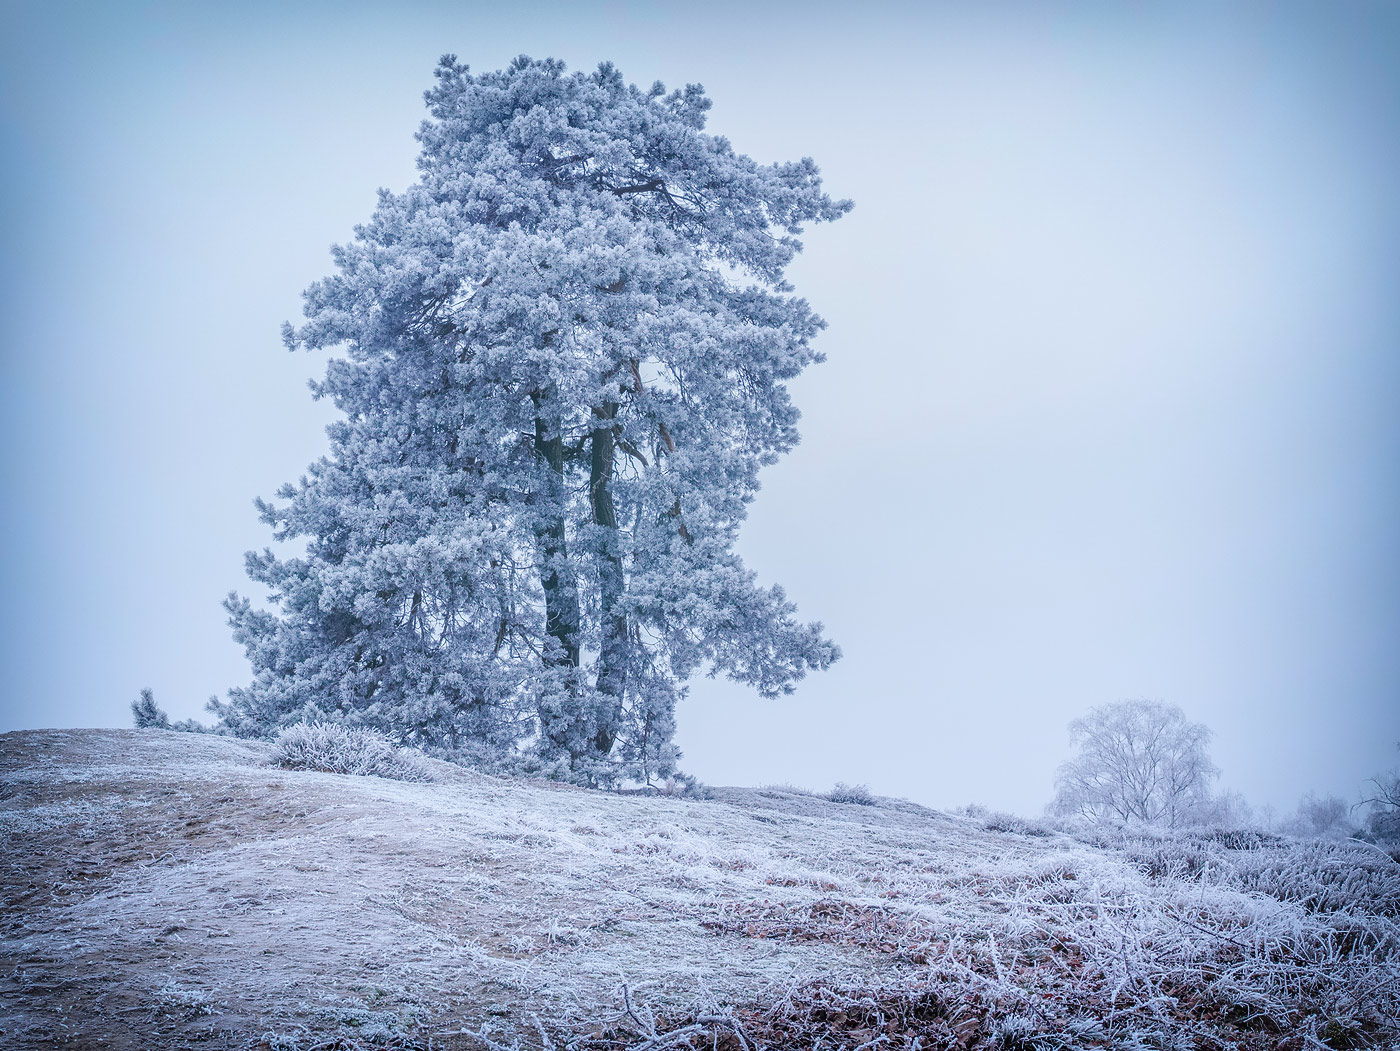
(168, 890)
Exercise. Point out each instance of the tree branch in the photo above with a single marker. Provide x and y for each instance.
(640, 187)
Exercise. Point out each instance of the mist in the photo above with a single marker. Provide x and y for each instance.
(1109, 409)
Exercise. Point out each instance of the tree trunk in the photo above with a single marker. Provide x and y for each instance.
(561, 617)
(612, 658)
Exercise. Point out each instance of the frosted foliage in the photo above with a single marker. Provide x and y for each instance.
(844, 793)
(1138, 761)
(565, 359)
(344, 750)
(146, 714)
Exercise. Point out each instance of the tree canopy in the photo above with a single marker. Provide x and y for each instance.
(565, 359)
(1138, 761)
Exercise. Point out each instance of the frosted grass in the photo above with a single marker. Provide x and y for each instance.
(520, 911)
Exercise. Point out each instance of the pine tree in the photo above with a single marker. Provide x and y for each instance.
(566, 350)
(146, 714)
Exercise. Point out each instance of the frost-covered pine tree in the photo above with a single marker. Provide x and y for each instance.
(566, 350)
(146, 714)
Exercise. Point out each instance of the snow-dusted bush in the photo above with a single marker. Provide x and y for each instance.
(1234, 838)
(997, 821)
(844, 793)
(346, 750)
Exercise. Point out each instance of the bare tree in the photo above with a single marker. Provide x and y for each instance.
(1383, 801)
(1226, 810)
(1138, 761)
(1319, 815)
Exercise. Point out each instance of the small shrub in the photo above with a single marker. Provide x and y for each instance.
(1240, 838)
(147, 714)
(857, 794)
(336, 749)
(996, 821)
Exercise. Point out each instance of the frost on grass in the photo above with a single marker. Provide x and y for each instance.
(176, 1000)
(998, 821)
(347, 750)
(490, 913)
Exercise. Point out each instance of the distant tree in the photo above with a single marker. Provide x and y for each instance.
(1225, 809)
(567, 350)
(1382, 801)
(1137, 761)
(1319, 815)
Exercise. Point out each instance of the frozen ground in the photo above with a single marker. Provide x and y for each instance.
(163, 890)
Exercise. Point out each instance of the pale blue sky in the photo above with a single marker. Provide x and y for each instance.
(1110, 410)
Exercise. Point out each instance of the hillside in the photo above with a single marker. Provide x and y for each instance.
(164, 889)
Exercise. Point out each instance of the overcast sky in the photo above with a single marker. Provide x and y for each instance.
(1110, 408)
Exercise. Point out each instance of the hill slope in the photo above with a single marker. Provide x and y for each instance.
(169, 889)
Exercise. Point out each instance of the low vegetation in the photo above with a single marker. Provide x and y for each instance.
(183, 889)
(857, 794)
(336, 749)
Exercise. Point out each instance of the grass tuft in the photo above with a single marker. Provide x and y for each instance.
(335, 749)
